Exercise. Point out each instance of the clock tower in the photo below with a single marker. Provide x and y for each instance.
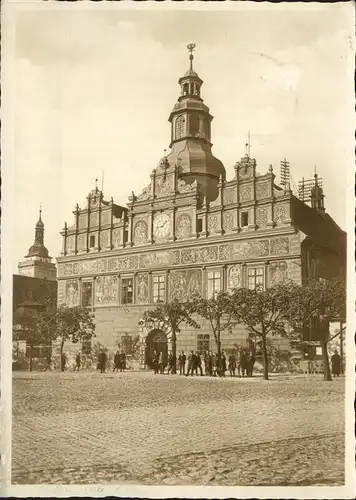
(191, 136)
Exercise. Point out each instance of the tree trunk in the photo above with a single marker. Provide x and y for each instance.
(174, 350)
(324, 350)
(30, 348)
(265, 357)
(61, 354)
(218, 345)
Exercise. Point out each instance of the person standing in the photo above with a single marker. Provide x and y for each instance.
(191, 363)
(116, 361)
(122, 361)
(250, 363)
(232, 364)
(63, 361)
(238, 362)
(336, 364)
(102, 360)
(243, 362)
(198, 364)
(78, 362)
(160, 363)
(209, 364)
(155, 361)
(223, 364)
(181, 363)
(170, 363)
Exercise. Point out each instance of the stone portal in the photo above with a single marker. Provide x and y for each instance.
(157, 341)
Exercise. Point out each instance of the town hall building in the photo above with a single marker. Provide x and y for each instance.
(191, 230)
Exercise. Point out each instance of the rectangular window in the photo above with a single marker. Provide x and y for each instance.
(127, 291)
(256, 277)
(92, 241)
(244, 219)
(86, 347)
(87, 293)
(199, 225)
(159, 288)
(203, 343)
(214, 283)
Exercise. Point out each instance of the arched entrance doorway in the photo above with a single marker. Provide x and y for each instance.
(157, 341)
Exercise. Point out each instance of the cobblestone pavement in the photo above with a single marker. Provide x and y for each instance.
(137, 427)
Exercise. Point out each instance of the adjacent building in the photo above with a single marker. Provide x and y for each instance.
(34, 290)
(191, 229)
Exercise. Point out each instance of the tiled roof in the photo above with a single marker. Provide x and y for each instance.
(319, 226)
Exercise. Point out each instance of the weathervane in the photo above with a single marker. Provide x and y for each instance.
(191, 47)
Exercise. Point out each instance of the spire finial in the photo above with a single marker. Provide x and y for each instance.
(96, 183)
(315, 175)
(248, 145)
(191, 47)
(41, 210)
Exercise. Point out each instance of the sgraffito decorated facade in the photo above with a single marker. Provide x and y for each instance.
(191, 230)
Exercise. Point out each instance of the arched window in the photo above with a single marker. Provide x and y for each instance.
(185, 89)
(196, 89)
(194, 124)
(180, 127)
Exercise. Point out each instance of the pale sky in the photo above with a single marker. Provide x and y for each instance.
(93, 91)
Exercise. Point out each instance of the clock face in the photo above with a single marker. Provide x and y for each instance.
(161, 225)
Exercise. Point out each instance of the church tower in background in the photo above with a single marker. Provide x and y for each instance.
(38, 263)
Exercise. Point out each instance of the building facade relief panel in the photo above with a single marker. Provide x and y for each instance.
(94, 219)
(184, 284)
(229, 221)
(277, 273)
(159, 259)
(246, 192)
(104, 239)
(263, 190)
(106, 289)
(83, 221)
(261, 217)
(140, 232)
(280, 214)
(71, 243)
(213, 223)
(230, 196)
(142, 288)
(164, 185)
(82, 242)
(116, 238)
(200, 255)
(72, 293)
(183, 226)
(105, 217)
(234, 277)
(280, 246)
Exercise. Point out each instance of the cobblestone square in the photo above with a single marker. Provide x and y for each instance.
(85, 428)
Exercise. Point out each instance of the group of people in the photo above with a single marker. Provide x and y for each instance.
(240, 362)
(119, 361)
